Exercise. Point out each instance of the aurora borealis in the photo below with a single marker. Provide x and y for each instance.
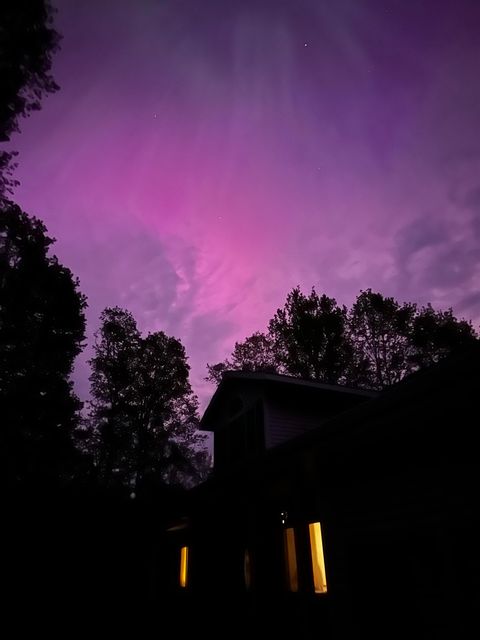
(203, 158)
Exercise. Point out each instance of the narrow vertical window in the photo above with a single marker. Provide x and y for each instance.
(290, 559)
(183, 566)
(318, 560)
(247, 569)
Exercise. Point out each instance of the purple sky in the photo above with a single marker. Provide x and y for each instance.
(204, 157)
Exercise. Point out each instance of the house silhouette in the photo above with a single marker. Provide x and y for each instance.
(334, 512)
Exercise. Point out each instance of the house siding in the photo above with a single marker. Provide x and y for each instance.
(285, 423)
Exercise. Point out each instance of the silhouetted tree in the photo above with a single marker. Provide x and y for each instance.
(143, 409)
(27, 42)
(255, 353)
(310, 337)
(42, 326)
(380, 330)
(435, 334)
(113, 392)
(392, 340)
(375, 344)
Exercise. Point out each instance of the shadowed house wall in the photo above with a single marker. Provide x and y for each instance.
(252, 412)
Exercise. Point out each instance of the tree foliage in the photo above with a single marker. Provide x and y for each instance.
(27, 43)
(374, 344)
(42, 326)
(381, 332)
(436, 333)
(255, 353)
(144, 413)
(392, 340)
(310, 337)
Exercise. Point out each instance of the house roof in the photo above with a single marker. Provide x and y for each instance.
(288, 384)
(427, 412)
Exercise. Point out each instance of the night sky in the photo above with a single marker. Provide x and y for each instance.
(203, 157)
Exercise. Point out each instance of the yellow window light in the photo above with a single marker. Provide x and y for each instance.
(183, 566)
(290, 559)
(318, 560)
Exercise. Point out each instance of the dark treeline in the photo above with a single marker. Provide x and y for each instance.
(77, 544)
(374, 344)
(139, 431)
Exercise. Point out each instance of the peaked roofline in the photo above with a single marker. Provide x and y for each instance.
(277, 378)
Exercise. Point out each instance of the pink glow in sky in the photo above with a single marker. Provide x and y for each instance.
(203, 158)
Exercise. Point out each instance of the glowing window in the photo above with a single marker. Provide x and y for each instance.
(318, 560)
(290, 559)
(183, 566)
(247, 569)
